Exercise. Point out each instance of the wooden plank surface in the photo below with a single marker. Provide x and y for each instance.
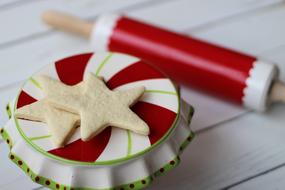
(189, 12)
(31, 23)
(226, 154)
(251, 33)
(7, 4)
(277, 55)
(230, 152)
(272, 179)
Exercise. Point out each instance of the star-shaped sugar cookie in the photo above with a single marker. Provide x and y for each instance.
(61, 124)
(97, 106)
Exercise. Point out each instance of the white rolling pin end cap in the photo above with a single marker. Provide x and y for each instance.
(102, 31)
(258, 85)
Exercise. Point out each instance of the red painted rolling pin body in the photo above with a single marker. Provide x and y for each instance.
(192, 62)
(185, 59)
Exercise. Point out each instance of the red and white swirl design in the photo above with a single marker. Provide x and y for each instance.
(158, 107)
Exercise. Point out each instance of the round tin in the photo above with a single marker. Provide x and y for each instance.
(116, 158)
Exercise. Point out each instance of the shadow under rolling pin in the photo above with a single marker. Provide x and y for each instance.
(228, 74)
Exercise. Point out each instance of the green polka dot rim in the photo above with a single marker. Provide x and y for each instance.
(136, 185)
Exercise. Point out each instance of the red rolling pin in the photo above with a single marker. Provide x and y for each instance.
(238, 77)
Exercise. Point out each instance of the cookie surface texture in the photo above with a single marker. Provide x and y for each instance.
(97, 106)
(60, 123)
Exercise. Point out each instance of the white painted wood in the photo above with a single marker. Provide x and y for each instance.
(23, 182)
(253, 33)
(272, 180)
(34, 55)
(277, 55)
(218, 157)
(185, 14)
(209, 110)
(4, 4)
(196, 11)
(230, 152)
(16, 26)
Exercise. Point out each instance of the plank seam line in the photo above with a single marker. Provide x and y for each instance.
(236, 15)
(18, 3)
(254, 176)
(10, 85)
(214, 126)
(37, 188)
(139, 6)
(49, 32)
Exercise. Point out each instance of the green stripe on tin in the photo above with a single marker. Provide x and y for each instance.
(103, 63)
(190, 114)
(37, 179)
(186, 142)
(6, 137)
(36, 83)
(139, 184)
(136, 185)
(129, 143)
(39, 137)
(172, 164)
(161, 92)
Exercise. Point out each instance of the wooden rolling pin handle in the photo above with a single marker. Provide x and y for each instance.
(277, 93)
(68, 23)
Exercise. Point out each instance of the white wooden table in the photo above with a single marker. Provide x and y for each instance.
(234, 149)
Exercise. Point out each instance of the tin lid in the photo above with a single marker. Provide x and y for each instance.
(115, 157)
